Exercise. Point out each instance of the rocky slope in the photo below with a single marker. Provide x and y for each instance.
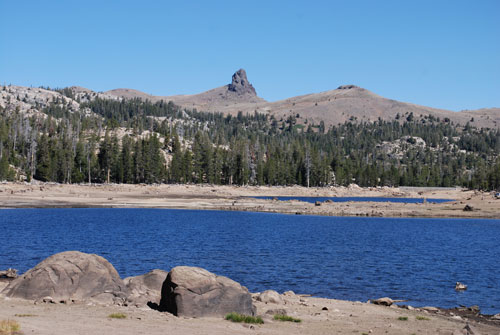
(31, 101)
(347, 102)
(228, 98)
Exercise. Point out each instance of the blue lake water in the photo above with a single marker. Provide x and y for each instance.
(347, 199)
(349, 258)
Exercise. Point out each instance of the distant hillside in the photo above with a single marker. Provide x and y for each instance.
(346, 103)
(239, 92)
(75, 135)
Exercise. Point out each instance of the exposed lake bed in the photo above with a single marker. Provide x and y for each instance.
(481, 204)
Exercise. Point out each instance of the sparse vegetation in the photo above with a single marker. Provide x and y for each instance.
(235, 317)
(281, 317)
(9, 327)
(422, 318)
(24, 315)
(403, 318)
(117, 316)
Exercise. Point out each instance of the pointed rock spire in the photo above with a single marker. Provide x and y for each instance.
(240, 83)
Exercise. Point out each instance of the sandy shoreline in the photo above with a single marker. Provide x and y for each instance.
(211, 197)
(318, 315)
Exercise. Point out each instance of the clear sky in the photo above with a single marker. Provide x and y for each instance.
(443, 54)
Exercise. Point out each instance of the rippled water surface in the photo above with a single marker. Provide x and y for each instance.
(336, 257)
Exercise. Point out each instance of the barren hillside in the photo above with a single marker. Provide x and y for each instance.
(347, 102)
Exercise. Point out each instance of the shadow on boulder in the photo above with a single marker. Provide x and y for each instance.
(145, 289)
(196, 292)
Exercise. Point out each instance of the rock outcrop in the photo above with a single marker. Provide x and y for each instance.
(146, 288)
(8, 274)
(383, 301)
(240, 84)
(70, 276)
(270, 296)
(346, 87)
(195, 292)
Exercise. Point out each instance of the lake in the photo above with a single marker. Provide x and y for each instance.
(352, 258)
(357, 199)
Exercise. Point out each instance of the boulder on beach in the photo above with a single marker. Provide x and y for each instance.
(196, 292)
(70, 276)
(270, 296)
(145, 288)
(383, 301)
(8, 274)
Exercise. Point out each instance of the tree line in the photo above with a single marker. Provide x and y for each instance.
(135, 141)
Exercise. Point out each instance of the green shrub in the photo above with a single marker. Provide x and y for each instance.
(235, 317)
(282, 317)
(403, 318)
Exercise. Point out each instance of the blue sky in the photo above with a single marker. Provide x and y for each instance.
(444, 54)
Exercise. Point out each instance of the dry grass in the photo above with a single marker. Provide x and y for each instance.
(9, 327)
(117, 316)
(422, 318)
(281, 317)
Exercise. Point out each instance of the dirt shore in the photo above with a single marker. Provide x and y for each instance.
(483, 204)
(318, 316)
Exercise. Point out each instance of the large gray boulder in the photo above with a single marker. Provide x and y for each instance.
(70, 276)
(195, 292)
(145, 288)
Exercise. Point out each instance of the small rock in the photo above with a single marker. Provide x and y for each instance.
(474, 309)
(460, 286)
(468, 208)
(471, 330)
(48, 300)
(496, 316)
(317, 203)
(430, 309)
(324, 309)
(457, 317)
(289, 294)
(9, 273)
(383, 301)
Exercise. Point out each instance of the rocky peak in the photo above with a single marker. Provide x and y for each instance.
(240, 83)
(346, 87)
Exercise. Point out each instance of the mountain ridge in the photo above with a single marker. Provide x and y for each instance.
(343, 104)
(346, 103)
